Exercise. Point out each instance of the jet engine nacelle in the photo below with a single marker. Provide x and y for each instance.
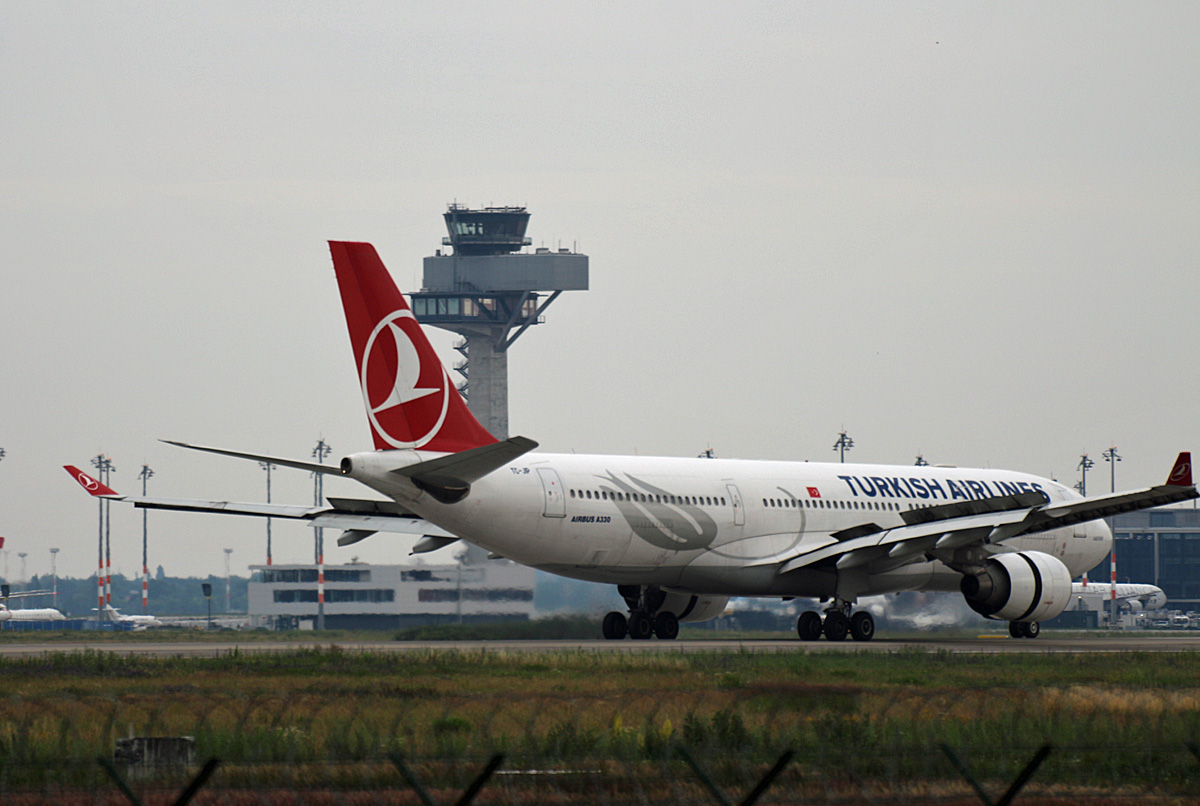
(1021, 586)
(689, 607)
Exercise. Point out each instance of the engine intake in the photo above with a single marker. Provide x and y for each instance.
(1022, 586)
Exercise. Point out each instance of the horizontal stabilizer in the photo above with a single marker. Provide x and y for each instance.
(226, 507)
(368, 506)
(398, 524)
(449, 478)
(312, 467)
(358, 514)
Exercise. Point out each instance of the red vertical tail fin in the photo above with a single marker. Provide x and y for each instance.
(1181, 472)
(88, 483)
(410, 399)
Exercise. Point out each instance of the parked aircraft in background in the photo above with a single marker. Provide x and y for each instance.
(1132, 596)
(111, 614)
(679, 536)
(26, 614)
(32, 614)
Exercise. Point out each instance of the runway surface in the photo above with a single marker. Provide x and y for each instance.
(1068, 643)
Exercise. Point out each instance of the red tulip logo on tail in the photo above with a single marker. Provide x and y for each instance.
(406, 399)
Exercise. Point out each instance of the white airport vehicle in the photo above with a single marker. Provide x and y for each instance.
(680, 536)
(1134, 597)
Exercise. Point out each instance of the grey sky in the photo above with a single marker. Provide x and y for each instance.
(961, 229)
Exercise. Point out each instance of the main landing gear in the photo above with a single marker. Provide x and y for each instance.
(1024, 629)
(645, 619)
(837, 624)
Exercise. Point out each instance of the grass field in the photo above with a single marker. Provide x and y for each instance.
(1114, 720)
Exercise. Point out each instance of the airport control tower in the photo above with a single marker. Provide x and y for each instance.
(490, 292)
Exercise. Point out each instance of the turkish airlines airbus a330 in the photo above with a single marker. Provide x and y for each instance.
(680, 536)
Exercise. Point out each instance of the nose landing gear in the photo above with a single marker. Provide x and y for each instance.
(837, 624)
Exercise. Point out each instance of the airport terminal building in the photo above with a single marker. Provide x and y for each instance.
(1161, 547)
(378, 597)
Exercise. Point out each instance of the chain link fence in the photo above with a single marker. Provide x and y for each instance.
(682, 779)
(782, 743)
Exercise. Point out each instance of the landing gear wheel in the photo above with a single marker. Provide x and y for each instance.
(837, 626)
(1024, 629)
(640, 625)
(862, 626)
(808, 626)
(614, 626)
(666, 626)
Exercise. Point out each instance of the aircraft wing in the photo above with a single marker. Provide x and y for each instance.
(977, 523)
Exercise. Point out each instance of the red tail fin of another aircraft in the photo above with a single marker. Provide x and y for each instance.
(410, 399)
(90, 484)
(1181, 473)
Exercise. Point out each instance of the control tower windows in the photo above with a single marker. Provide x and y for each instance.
(488, 309)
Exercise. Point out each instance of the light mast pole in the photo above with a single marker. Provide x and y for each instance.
(320, 452)
(145, 475)
(54, 575)
(267, 467)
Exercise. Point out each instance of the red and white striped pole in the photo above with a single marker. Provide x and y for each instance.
(100, 571)
(321, 582)
(1112, 619)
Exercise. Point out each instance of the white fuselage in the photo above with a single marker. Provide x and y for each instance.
(32, 614)
(713, 526)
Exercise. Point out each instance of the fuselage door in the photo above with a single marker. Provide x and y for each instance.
(735, 500)
(556, 501)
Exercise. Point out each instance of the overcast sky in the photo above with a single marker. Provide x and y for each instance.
(963, 230)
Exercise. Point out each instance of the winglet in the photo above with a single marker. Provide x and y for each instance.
(1181, 473)
(90, 484)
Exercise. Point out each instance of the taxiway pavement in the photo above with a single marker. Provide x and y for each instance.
(985, 644)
